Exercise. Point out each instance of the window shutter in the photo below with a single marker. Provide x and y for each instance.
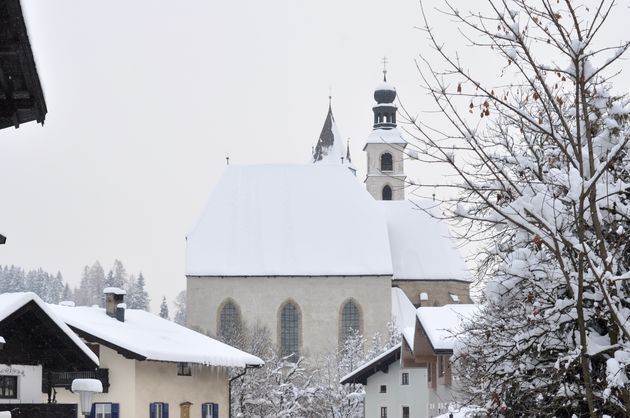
(165, 410)
(93, 411)
(204, 408)
(115, 410)
(215, 410)
(152, 410)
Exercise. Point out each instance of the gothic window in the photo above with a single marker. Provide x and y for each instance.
(350, 320)
(290, 330)
(387, 163)
(387, 193)
(229, 322)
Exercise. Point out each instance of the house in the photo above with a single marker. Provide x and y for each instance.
(35, 348)
(155, 366)
(310, 253)
(414, 378)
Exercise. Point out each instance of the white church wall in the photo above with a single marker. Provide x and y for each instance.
(415, 395)
(376, 179)
(319, 299)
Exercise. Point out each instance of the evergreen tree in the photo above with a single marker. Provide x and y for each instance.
(117, 276)
(180, 308)
(36, 282)
(12, 279)
(67, 294)
(137, 296)
(55, 288)
(164, 309)
(82, 294)
(96, 284)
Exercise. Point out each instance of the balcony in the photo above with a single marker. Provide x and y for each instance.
(64, 379)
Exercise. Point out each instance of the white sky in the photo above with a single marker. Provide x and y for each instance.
(147, 97)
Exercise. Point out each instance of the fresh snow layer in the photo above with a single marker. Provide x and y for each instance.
(369, 363)
(385, 136)
(114, 290)
(153, 337)
(403, 315)
(2, 341)
(289, 220)
(87, 385)
(5, 414)
(442, 322)
(421, 247)
(11, 302)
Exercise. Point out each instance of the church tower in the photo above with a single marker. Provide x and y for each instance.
(330, 147)
(385, 148)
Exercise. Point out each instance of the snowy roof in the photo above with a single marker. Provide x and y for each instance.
(386, 136)
(385, 86)
(361, 373)
(11, 302)
(114, 290)
(441, 322)
(146, 336)
(403, 315)
(289, 220)
(421, 246)
(330, 147)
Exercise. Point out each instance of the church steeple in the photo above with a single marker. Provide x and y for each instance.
(330, 147)
(385, 147)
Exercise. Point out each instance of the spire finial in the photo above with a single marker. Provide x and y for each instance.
(227, 159)
(384, 61)
(330, 97)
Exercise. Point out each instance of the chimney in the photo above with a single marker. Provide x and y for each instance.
(114, 297)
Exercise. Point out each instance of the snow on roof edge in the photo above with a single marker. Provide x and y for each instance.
(371, 362)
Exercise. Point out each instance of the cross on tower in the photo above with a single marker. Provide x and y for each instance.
(384, 61)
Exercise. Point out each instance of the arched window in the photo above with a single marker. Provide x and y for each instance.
(387, 193)
(386, 162)
(229, 322)
(350, 320)
(290, 330)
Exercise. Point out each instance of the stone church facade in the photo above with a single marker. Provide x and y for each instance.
(315, 257)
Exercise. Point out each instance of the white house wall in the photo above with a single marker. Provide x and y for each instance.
(415, 395)
(135, 384)
(29, 382)
(319, 299)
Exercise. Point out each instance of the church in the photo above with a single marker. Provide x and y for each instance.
(312, 254)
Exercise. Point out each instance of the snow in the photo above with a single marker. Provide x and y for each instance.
(2, 341)
(385, 86)
(154, 338)
(87, 385)
(385, 136)
(11, 302)
(66, 303)
(440, 323)
(371, 362)
(421, 246)
(289, 220)
(114, 290)
(403, 315)
(5, 414)
(463, 412)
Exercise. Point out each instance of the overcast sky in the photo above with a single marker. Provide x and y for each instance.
(147, 97)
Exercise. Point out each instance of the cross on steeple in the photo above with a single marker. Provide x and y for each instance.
(384, 61)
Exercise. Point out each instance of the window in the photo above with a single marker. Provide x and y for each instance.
(350, 320)
(105, 410)
(209, 410)
(383, 389)
(290, 331)
(386, 162)
(405, 378)
(184, 369)
(158, 410)
(8, 387)
(229, 321)
(405, 412)
(387, 193)
(383, 412)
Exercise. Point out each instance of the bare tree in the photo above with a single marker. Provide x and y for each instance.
(543, 185)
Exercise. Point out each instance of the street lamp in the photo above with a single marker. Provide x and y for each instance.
(86, 388)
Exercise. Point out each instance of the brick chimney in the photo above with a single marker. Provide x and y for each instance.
(114, 301)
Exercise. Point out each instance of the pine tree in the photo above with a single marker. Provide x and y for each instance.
(82, 293)
(164, 309)
(117, 276)
(96, 284)
(180, 308)
(137, 296)
(67, 294)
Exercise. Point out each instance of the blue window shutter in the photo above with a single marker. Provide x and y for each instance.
(115, 410)
(152, 410)
(93, 411)
(164, 410)
(203, 410)
(215, 410)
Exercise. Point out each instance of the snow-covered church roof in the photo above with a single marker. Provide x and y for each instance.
(146, 336)
(315, 220)
(289, 220)
(421, 246)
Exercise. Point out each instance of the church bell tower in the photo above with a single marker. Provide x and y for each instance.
(385, 148)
